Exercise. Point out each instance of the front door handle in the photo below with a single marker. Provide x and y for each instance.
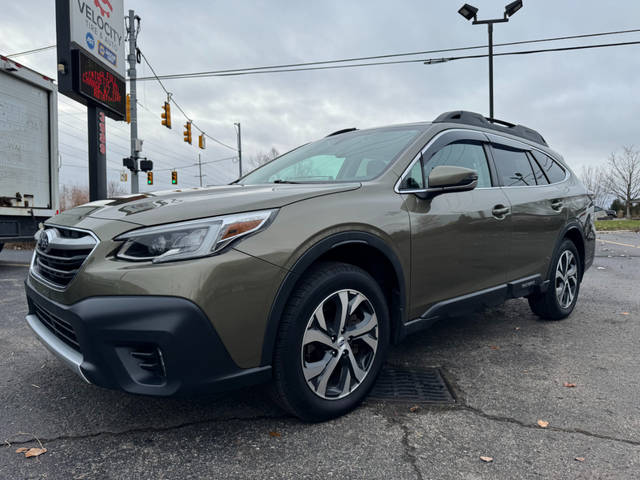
(557, 205)
(500, 211)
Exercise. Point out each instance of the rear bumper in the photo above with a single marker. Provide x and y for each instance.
(152, 345)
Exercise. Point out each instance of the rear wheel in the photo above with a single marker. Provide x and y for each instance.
(561, 295)
(332, 341)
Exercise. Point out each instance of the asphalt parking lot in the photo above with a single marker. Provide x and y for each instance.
(506, 367)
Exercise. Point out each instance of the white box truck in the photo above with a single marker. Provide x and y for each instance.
(28, 151)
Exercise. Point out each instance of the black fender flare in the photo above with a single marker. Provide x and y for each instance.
(305, 261)
(573, 224)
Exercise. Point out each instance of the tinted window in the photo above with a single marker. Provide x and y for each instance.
(359, 155)
(468, 155)
(513, 167)
(537, 172)
(413, 180)
(553, 171)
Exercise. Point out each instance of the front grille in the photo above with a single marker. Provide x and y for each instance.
(60, 252)
(60, 327)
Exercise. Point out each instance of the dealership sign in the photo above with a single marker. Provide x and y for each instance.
(91, 53)
(97, 26)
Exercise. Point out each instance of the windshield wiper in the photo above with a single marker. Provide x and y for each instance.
(280, 180)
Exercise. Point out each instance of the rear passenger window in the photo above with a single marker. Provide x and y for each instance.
(554, 172)
(468, 155)
(537, 172)
(513, 167)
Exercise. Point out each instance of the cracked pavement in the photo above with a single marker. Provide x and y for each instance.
(506, 367)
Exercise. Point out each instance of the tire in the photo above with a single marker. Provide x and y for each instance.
(1, 246)
(315, 374)
(561, 295)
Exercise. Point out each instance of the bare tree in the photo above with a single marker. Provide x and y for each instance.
(263, 157)
(115, 188)
(594, 179)
(72, 196)
(622, 177)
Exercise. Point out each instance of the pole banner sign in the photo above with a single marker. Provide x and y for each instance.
(91, 53)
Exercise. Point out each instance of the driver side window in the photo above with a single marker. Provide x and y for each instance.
(460, 154)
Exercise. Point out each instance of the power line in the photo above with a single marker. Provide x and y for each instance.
(180, 108)
(390, 55)
(377, 57)
(35, 50)
(422, 60)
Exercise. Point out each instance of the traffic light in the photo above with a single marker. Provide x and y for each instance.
(201, 141)
(128, 116)
(149, 178)
(174, 178)
(166, 115)
(187, 132)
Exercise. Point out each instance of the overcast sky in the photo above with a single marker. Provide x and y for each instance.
(585, 103)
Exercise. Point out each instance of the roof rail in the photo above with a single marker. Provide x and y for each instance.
(344, 130)
(476, 119)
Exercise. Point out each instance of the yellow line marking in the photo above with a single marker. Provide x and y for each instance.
(618, 243)
(2, 264)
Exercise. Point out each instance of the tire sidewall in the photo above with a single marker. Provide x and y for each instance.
(300, 393)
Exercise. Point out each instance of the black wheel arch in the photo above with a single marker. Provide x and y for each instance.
(335, 247)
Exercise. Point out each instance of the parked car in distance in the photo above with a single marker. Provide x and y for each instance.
(602, 214)
(304, 271)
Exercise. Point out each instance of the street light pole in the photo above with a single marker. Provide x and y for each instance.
(471, 13)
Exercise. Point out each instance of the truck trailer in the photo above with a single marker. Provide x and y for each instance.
(28, 151)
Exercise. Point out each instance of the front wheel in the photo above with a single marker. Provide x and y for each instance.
(561, 295)
(332, 342)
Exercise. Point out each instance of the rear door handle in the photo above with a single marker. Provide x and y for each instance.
(557, 205)
(499, 211)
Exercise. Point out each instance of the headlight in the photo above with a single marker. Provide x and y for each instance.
(192, 239)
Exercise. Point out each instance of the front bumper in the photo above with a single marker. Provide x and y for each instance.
(152, 345)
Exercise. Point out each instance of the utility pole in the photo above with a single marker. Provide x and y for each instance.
(239, 150)
(132, 58)
(200, 169)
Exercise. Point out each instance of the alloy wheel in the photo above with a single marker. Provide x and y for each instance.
(566, 280)
(339, 344)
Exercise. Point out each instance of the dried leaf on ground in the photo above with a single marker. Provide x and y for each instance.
(543, 423)
(494, 347)
(35, 452)
(415, 408)
(625, 313)
(580, 459)
(486, 459)
(570, 385)
(22, 450)
(275, 434)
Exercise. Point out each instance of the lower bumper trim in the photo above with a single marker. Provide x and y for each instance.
(61, 350)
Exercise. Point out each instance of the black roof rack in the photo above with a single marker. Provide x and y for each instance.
(344, 130)
(476, 119)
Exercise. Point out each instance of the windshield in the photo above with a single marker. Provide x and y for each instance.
(347, 157)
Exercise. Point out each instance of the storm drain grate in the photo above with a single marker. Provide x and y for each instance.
(407, 385)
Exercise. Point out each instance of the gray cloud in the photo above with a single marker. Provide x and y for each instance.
(585, 103)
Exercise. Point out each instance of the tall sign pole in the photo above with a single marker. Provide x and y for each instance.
(97, 129)
(90, 51)
(132, 31)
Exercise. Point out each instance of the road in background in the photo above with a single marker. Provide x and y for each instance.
(507, 367)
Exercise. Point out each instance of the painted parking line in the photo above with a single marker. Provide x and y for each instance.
(618, 243)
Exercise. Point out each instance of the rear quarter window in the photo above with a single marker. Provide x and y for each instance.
(554, 172)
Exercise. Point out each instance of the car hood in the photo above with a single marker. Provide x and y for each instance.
(177, 205)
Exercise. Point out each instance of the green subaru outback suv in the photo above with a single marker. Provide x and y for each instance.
(304, 271)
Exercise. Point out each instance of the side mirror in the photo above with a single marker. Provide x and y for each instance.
(448, 178)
